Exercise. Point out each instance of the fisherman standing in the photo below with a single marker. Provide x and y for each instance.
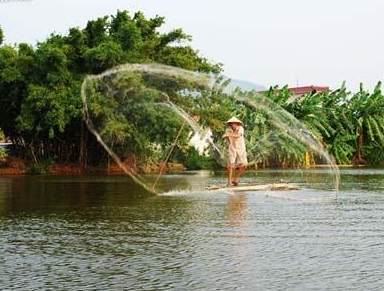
(237, 154)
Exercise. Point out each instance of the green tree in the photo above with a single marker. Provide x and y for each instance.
(1, 35)
(40, 86)
(367, 112)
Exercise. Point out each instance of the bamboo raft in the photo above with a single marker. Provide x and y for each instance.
(255, 187)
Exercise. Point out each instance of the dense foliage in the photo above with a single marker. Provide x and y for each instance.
(351, 126)
(41, 110)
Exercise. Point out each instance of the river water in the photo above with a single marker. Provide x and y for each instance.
(102, 233)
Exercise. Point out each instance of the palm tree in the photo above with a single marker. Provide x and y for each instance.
(367, 112)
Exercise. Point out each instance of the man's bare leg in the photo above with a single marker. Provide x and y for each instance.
(230, 168)
(240, 172)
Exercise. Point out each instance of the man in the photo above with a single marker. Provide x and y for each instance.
(237, 154)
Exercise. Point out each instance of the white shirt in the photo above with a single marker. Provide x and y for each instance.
(236, 145)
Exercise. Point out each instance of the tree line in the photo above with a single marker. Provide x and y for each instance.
(40, 105)
(41, 109)
(349, 125)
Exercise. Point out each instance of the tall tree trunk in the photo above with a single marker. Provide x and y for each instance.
(358, 159)
(309, 159)
(360, 146)
(83, 147)
(307, 162)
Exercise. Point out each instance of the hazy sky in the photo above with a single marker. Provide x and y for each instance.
(268, 42)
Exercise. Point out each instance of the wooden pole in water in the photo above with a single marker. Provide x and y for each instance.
(168, 156)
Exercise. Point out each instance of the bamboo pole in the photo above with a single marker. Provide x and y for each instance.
(168, 156)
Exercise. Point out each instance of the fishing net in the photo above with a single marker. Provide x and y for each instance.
(149, 116)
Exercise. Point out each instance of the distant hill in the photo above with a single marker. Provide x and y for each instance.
(244, 85)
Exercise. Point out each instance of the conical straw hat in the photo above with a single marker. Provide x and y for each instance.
(234, 120)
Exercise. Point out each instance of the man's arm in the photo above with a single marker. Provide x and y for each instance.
(231, 134)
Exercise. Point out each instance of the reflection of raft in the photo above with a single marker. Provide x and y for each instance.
(255, 187)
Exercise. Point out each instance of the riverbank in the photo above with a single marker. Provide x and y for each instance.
(17, 166)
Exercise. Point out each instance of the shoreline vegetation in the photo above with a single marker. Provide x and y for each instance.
(41, 108)
(16, 166)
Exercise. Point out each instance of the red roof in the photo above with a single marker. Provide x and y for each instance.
(305, 89)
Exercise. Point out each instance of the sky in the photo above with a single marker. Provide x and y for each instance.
(270, 42)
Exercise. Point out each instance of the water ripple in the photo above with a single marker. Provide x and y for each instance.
(92, 236)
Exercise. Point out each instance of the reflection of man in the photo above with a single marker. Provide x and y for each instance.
(237, 210)
(237, 154)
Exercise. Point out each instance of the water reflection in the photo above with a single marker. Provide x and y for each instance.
(99, 233)
(55, 194)
(237, 210)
